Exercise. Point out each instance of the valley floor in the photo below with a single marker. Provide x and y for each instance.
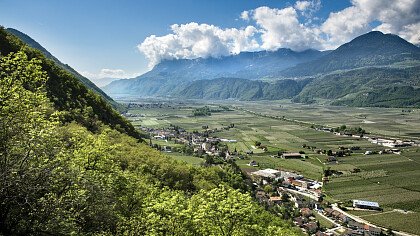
(389, 179)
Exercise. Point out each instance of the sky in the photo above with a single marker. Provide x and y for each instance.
(125, 38)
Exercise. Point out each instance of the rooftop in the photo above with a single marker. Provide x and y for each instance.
(365, 203)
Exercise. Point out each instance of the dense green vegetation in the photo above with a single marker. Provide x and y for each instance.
(385, 87)
(242, 89)
(59, 178)
(68, 94)
(33, 44)
(202, 111)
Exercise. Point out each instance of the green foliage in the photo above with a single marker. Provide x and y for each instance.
(202, 111)
(62, 179)
(383, 87)
(68, 94)
(243, 89)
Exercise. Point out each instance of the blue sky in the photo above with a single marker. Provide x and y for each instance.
(92, 35)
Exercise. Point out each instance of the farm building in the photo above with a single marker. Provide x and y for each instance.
(291, 155)
(267, 173)
(366, 205)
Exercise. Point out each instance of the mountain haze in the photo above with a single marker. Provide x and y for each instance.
(373, 63)
(371, 49)
(172, 76)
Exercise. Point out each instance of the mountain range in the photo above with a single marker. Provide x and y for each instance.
(371, 65)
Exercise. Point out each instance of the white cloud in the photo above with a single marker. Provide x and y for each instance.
(245, 15)
(308, 8)
(272, 28)
(342, 26)
(109, 73)
(194, 40)
(395, 16)
(302, 5)
(281, 28)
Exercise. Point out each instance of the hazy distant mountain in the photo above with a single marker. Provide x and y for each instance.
(102, 82)
(242, 89)
(389, 87)
(374, 69)
(34, 44)
(171, 76)
(371, 49)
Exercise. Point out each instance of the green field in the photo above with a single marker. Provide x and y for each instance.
(391, 180)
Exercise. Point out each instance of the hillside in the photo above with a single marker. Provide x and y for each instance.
(68, 93)
(373, 63)
(242, 89)
(61, 178)
(389, 87)
(371, 49)
(172, 76)
(34, 44)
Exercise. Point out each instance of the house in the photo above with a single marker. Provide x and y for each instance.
(253, 163)
(351, 232)
(328, 211)
(274, 200)
(343, 218)
(304, 204)
(366, 205)
(291, 155)
(306, 212)
(267, 173)
(261, 196)
(372, 231)
(356, 226)
(331, 159)
(319, 233)
(311, 227)
(300, 221)
(300, 183)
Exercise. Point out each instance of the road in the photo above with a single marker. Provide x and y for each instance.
(356, 218)
(311, 196)
(360, 220)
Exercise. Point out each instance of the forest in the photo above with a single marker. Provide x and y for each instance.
(60, 176)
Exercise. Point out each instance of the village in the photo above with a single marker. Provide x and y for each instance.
(294, 197)
(289, 194)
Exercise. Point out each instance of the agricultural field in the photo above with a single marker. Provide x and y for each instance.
(391, 180)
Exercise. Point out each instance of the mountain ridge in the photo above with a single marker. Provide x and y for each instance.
(362, 61)
(79, 103)
(34, 44)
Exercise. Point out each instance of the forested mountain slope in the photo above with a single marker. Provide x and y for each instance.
(65, 171)
(67, 92)
(34, 44)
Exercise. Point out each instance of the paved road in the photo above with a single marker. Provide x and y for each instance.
(302, 193)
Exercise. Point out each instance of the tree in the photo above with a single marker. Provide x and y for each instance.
(225, 211)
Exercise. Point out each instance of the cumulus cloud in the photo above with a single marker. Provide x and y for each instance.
(281, 28)
(290, 27)
(399, 17)
(308, 8)
(194, 40)
(245, 15)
